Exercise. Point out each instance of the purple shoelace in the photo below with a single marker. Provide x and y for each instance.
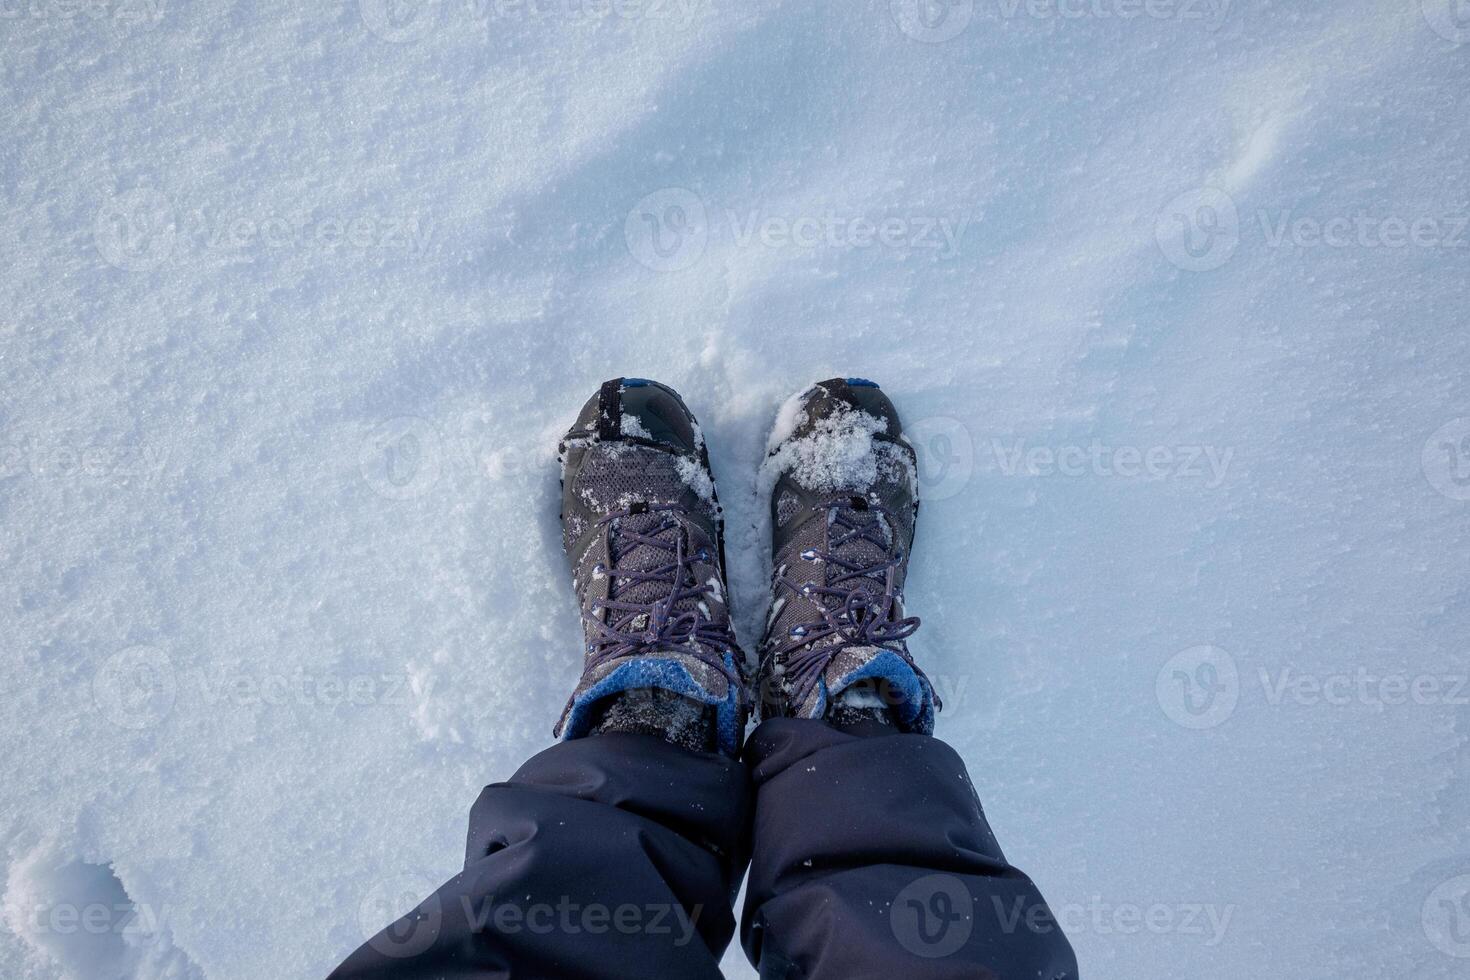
(675, 622)
(861, 616)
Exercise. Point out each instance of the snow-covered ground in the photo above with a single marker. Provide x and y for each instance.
(295, 298)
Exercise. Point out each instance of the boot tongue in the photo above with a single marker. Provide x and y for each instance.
(815, 536)
(646, 557)
(860, 551)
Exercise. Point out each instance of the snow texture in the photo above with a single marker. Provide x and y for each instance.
(632, 426)
(838, 452)
(297, 299)
(791, 414)
(696, 477)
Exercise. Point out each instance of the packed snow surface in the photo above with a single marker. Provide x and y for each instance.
(297, 299)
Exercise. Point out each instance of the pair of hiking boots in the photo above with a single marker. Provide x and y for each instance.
(643, 531)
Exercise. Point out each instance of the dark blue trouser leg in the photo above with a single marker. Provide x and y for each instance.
(610, 856)
(872, 859)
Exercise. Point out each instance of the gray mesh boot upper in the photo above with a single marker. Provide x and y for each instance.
(844, 498)
(642, 529)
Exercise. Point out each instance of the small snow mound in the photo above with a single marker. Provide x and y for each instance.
(632, 426)
(839, 453)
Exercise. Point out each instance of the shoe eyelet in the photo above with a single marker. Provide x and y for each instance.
(809, 554)
(807, 590)
(797, 632)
